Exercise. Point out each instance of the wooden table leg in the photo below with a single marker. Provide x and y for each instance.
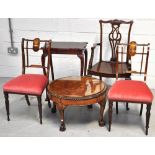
(44, 71)
(102, 107)
(86, 57)
(47, 98)
(61, 111)
(51, 65)
(81, 57)
(54, 110)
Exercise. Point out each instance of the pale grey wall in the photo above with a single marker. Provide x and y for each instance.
(60, 29)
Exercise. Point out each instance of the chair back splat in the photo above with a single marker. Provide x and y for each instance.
(30, 46)
(115, 35)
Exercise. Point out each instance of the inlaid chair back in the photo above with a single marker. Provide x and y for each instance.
(35, 47)
(138, 55)
(114, 34)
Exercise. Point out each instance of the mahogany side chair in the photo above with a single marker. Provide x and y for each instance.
(30, 84)
(110, 34)
(133, 91)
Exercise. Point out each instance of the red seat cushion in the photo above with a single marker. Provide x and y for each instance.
(26, 84)
(130, 90)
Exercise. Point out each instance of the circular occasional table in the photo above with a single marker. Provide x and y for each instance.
(77, 91)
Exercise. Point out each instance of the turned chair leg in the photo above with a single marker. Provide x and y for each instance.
(141, 110)
(110, 114)
(116, 107)
(40, 108)
(27, 100)
(54, 109)
(7, 105)
(102, 107)
(148, 109)
(62, 126)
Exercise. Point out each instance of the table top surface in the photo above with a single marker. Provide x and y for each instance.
(73, 87)
(69, 45)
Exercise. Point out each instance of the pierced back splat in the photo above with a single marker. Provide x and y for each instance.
(115, 35)
(114, 39)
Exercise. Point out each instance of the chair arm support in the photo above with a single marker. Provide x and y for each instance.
(92, 54)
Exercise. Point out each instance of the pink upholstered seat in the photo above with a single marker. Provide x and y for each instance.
(130, 90)
(26, 84)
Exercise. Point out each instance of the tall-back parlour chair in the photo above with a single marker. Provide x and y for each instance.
(133, 91)
(110, 35)
(30, 84)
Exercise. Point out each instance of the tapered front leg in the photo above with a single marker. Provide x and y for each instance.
(40, 108)
(27, 100)
(110, 114)
(148, 109)
(7, 105)
(102, 107)
(141, 110)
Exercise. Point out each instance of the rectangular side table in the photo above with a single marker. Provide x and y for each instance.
(72, 48)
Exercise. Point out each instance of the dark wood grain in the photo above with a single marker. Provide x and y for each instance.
(63, 47)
